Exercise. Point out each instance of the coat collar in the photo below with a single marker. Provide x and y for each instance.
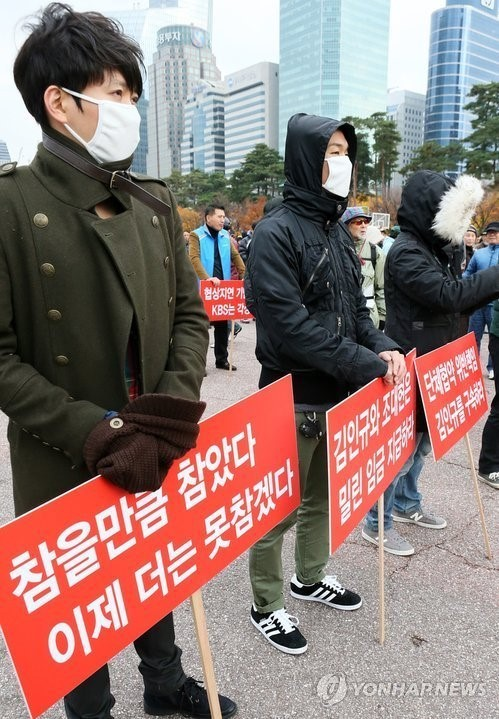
(69, 185)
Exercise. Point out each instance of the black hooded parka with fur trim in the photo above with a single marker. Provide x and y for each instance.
(303, 281)
(423, 296)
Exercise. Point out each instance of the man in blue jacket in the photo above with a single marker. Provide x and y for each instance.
(211, 252)
(481, 260)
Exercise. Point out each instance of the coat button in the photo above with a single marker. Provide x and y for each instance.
(47, 269)
(166, 261)
(62, 360)
(116, 423)
(54, 315)
(40, 220)
(7, 167)
(155, 221)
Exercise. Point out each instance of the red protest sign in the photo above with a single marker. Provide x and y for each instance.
(370, 435)
(86, 574)
(224, 301)
(452, 390)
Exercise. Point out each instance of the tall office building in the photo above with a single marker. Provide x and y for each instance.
(333, 58)
(203, 145)
(224, 121)
(143, 21)
(140, 155)
(251, 112)
(184, 57)
(464, 51)
(4, 153)
(406, 109)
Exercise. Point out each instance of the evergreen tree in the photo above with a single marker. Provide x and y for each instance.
(198, 188)
(386, 138)
(262, 173)
(482, 157)
(362, 174)
(176, 183)
(432, 156)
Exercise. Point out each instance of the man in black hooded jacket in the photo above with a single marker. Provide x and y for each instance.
(424, 298)
(303, 285)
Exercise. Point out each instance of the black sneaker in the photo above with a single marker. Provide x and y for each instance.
(491, 479)
(191, 700)
(328, 591)
(279, 628)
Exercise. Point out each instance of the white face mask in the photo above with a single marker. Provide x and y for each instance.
(117, 133)
(340, 175)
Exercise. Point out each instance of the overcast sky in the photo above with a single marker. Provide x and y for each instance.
(243, 33)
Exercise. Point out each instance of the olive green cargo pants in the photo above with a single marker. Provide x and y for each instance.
(312, 528)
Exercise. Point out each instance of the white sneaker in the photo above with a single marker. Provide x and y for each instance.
(491, 374)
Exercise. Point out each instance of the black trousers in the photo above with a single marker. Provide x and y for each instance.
(489, 454)
(221, 332)
(160, 667)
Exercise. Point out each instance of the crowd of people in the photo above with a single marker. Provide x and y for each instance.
(104, 336)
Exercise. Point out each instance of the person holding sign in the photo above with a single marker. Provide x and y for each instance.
(211, 252)
(424, 298)
(303, 285)
(103, 333)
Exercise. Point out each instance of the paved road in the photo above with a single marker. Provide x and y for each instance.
(440, 658)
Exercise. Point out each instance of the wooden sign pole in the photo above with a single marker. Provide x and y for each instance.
(381, 567)
(488, 552)
(205, 652)
(230, 327)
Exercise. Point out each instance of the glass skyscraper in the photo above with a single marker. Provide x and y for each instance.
(4, 153)
(203, 145)
(251, 111)
(333, 58)
(464, 51)
(224, 121)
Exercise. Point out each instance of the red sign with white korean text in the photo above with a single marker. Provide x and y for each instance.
(84, 575)
(224, 301)
(370, 435)
(451, 386)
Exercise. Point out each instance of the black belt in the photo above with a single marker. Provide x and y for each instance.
(114, 180)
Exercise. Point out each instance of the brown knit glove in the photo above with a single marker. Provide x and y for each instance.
(136, 448)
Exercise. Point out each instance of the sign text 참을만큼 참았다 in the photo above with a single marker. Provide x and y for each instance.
(87, 573)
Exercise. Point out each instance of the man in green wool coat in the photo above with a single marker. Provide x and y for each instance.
(103, 336)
